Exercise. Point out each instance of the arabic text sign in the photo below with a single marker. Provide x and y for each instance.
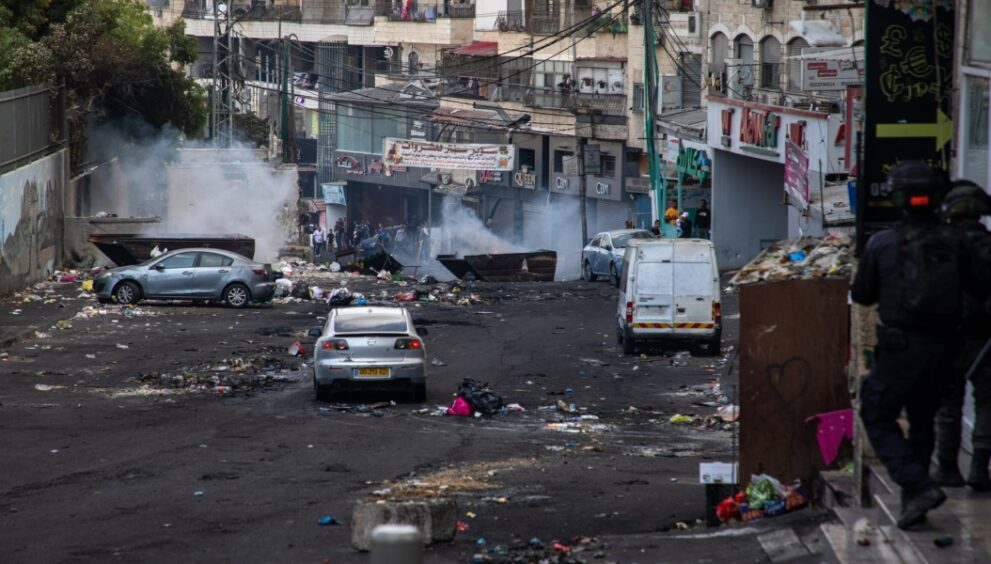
(831, 74)
(448, 156)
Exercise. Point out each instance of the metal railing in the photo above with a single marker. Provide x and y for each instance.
(254, 10)
(34, 123)
(428, 10)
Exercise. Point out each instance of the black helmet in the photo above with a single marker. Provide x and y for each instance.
(915, 187)
(966, 199)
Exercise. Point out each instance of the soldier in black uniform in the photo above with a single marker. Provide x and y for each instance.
(904, 270)
(963, 208)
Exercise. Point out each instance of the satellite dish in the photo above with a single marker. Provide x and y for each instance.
(387, 52)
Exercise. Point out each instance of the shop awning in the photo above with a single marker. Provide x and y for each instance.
(478, 49)
(818, 33)
(844, 54)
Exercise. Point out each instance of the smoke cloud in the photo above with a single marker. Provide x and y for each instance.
(194, 189)
(554, 225)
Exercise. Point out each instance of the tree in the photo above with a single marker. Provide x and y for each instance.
(114, 63)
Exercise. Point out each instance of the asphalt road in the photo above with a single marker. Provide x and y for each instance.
(103, 459)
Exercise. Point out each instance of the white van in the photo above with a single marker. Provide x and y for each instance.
(669, 289)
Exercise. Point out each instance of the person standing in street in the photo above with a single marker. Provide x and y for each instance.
(963, 208)
(703, 220)
(671, 214)
(915, 273)
(318, 241)
(684, 226)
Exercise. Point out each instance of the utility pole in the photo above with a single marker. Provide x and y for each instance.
(582, 195)
(650, 106)
(222, 105)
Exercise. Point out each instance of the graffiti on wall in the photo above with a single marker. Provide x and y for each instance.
(31, 222)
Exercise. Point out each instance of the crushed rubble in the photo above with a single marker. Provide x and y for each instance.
(799, 259)
(228, 376)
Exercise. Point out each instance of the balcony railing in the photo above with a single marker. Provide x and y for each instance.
(254, 10)
(429, 10)
(516, 20)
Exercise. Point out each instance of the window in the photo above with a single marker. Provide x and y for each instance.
(744, 48)
(975, 133)
(370, 324)
(546, 76)
(770, 63)
(795, 47)
(212, 260)
(559, 157)
(362, 129)
(596, 241)
(608, 164)
(979, 48)
(182, 260)
(606, 242)
(527, 158)
(637, 97)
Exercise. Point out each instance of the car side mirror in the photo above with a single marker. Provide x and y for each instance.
(422, 331)
(158, 266)
(315, 332)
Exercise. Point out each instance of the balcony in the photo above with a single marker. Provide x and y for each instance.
(253, 10)
(427, 11)
(538, 23)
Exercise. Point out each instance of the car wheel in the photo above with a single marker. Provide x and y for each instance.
(237, 295)
(322, 393)
(629, 344)
(127, 293)
(587, 273)
(613, 275)
(420, 392)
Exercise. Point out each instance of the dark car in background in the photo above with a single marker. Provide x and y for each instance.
(189, 274)
(603, 256)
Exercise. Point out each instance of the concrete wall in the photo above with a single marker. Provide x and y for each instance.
(31, 215)
(746, 206)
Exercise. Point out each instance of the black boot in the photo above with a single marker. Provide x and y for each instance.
(978, 477)
(948, 474)
(915, 507)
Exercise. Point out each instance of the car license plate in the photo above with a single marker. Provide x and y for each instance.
(373, 373)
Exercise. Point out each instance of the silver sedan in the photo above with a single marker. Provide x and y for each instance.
(603, 256)
(189, 274)
(369, 346)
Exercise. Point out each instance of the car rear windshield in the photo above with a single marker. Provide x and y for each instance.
(371, 323)
(624, 240)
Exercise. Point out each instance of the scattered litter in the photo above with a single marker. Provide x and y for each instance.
(328, 520)
(943, 541)
(437, 362)
(681, 419)
(198, 493)
(296, 349)
(122, 346)
(729, 413)
(47, 387)
(462, 526)
(593, 362)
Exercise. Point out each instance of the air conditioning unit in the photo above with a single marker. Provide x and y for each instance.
(763, 4)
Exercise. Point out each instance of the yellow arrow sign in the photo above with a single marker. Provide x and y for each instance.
(942, 130)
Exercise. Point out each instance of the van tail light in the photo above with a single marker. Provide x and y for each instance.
(335, 344)
(717, 312)
(629, 312)
(409, 344)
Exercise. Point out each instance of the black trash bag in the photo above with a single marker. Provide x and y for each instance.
(301, 290)
(481, 398)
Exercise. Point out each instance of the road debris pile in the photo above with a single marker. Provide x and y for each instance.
(89, 312)
(228, 376)
(475, 398)
(764, 496)
(454, 480)
(799, 259)
(576, 550)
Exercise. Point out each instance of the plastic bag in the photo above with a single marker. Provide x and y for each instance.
(459, 408)
(763, 489)
(484, 400)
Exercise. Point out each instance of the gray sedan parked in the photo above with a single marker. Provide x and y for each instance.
(603, 256)
(369, 346)
(189, 274)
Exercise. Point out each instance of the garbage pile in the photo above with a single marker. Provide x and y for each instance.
(228, 376)
(574, 550)
(764, 497)
(799, 259)
(474, 398)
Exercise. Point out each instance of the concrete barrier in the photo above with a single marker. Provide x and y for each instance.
(435, 518)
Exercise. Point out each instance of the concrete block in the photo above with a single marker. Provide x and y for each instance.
(435, 518)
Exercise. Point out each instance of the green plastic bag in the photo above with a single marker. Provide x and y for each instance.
(761, 491)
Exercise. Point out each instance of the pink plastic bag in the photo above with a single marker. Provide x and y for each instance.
(460, 408)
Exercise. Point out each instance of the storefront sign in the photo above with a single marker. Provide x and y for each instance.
(694, 163)
(333, 194)
(759, 129)
(727, 128)
(525, 179)
(593, 160)
(602, 188)
(350, 165)
(489, 177)
(908, 89)
(831, 74)
(448, 156)
(796, 175)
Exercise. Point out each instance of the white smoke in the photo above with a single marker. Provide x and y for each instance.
(557, 227)
(193, 190)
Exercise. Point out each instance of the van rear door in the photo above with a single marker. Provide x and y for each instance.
(694, 284)
(654, 291)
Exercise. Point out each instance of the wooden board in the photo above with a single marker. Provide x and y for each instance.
(793, 343)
